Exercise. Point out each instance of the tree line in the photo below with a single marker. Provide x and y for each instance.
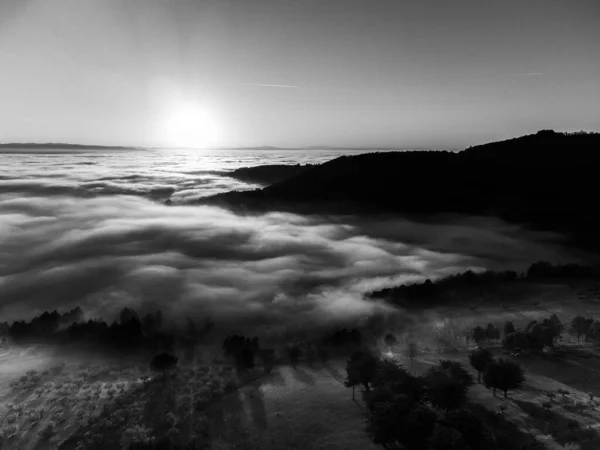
(247, 352)
(128, 333)
(418, 294)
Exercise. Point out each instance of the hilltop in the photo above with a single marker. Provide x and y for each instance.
(544, 180)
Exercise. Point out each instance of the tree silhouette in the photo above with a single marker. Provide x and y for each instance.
(352, 377)
(504, 375)
(479, 359)
(467, 333)
(519, 340)
(541, 335)
(162, 363)
(397, 379)
(508, 328)
(244, 357)
(580, 326)
(447, 385)
(492, 332)
(479, 334)
(398, 422)
(446, 438)
(242, 349)
(555, 326)
(593, 333)
(472, 429)
(362, 366)
(390, 340)
(127, 315)
(455, 370)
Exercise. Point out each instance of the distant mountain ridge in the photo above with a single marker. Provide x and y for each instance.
(58, 145)
(546, 180)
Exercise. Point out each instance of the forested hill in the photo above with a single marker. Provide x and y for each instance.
(547, 180)
(268, 174)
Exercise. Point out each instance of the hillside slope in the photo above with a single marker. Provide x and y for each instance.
(268, 174)
(546, 180)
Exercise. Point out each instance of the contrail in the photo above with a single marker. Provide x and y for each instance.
(272, 85)
(529, 74)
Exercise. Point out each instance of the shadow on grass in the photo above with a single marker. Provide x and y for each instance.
(272, 379)
(226, 418)
(335, 373)
(573, 372)
(258, 410)
(303, 377)
(580, 408)
(563, 429)
(508, 434)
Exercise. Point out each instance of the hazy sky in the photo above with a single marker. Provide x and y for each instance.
(442, 74)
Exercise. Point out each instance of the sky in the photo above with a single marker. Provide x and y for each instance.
(290, 73)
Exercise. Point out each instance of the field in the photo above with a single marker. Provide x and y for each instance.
(68, 399)
(50, 401)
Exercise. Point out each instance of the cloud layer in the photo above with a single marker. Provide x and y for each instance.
(69, 237)
(181, 175)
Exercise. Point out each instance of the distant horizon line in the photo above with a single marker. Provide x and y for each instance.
(59, 145)
(64, 145)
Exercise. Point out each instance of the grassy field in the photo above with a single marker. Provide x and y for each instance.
(302, 408)
(51, 398)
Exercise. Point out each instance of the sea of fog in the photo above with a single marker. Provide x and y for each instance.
(90, 229)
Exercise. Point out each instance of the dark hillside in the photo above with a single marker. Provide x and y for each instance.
(546, 180)
(268, 174)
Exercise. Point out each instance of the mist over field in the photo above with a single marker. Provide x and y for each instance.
(92, 230)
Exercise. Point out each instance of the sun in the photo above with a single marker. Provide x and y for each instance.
(191, 125)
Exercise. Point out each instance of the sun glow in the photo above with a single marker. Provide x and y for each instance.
(191, 125)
